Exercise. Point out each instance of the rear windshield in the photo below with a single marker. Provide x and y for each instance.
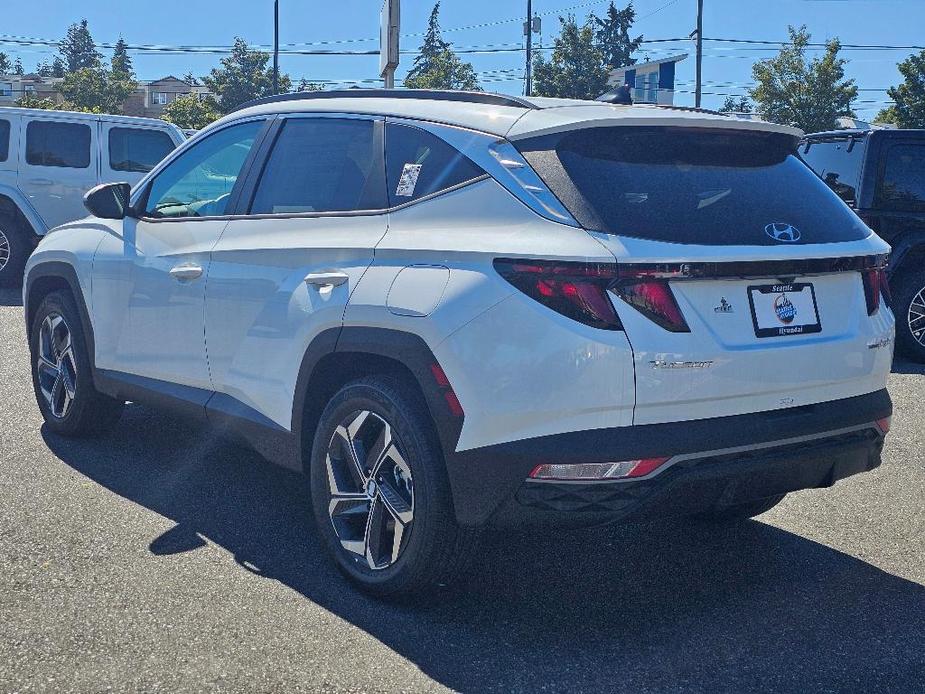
(695, 187)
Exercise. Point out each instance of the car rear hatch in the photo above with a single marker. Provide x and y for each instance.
(744, 284)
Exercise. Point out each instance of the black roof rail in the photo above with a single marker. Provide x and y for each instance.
(488, 98)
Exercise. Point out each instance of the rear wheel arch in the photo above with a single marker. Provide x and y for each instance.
(341, 355)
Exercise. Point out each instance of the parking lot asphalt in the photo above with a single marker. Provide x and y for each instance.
(165, 559)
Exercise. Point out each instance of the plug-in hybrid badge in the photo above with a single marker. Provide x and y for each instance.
(783, 232)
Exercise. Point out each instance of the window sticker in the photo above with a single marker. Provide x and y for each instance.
(408, 180)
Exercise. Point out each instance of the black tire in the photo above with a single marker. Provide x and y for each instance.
(14, 251)
(432, 549)
(89, 412)
(741, 512)
(908, 287)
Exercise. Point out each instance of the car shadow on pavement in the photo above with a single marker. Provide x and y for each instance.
(904, 366)
(10, 296)
(631, 607)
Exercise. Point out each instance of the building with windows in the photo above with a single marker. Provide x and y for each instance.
(153, 96)
(652, 82)
(15, 87)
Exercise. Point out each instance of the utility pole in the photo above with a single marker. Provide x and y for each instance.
(276, 46)
(528, 86)
(699, 52)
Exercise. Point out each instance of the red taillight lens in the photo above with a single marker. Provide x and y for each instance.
(650, 294)
(875, 285)
(576, 290)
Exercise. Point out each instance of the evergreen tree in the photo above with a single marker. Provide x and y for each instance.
(17, 66)
(811, 95)
(734, 105)
(612, 36)
(78, 49)
(243, 76)
(436, 66)
(576, 69)
(5, 65)
(908, 111)
(52, 69)
(121, 61)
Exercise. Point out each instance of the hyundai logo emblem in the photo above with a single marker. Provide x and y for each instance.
(783, 232)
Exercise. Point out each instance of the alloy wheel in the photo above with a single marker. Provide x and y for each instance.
(371, 491)
(56, 365)
(916, 317)
(4, 250)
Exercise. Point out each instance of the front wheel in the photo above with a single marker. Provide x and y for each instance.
(14, 251)
(380, 492)
(909, 308)
(70, 404)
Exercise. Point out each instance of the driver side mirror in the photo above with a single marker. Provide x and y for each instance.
(109, 200)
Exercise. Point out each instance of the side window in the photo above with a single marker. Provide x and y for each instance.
(838, 164)
(198, 183)
(136, 149)
(903, 184)
(322, 165)
(418, 164)
(4, 139)
(51, 143)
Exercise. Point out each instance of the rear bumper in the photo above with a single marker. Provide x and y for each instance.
(715, 462)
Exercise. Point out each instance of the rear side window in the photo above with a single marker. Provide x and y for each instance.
(49, 143)
(323, 165)
(4, 139)
(684, 186)
(419, 163)
(903, 184)
(137, 150)
(838, 164)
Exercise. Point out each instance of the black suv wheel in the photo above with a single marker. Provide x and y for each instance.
(61, 375)
(380, 493)
(14, 251)
(909, 308)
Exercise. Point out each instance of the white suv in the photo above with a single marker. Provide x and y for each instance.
(455, 311)
(49, 159)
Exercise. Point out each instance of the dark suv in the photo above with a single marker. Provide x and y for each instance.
(881, 175)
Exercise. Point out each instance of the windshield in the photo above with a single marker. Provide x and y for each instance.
(686, 186)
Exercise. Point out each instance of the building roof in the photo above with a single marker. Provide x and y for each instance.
(650, 63)
(514, 118)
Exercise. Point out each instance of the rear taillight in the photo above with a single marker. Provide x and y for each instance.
(875, 286)
(576, 290)
(646, 289)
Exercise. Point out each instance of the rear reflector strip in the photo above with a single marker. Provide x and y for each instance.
(590, 472)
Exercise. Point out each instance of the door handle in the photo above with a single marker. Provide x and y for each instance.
(186, 273)
(332, 278)
(41, 181)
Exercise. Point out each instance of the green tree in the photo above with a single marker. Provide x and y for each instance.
(612, 36)
(122, 61)
(243, 76)
(188, 111)
(53, 69)
(17, 66)
(96, 90)
(908, 111)
(436, 66)
(576, 69)
(78, 49)
(33, 101)
(736, 105)
(5, 65)
(808, 94)
(306, 86)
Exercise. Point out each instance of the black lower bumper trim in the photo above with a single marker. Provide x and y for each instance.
(483, 479)
(713, 482)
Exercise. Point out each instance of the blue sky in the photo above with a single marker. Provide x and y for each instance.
(727, 69)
